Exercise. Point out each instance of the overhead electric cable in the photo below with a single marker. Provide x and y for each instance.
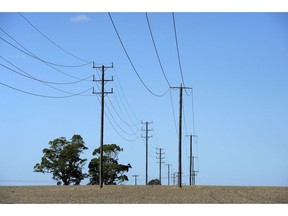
(151, 150)
(185, 126)
(129, 106)
(157, 95)
(34, 78)
(129, 140)
(51, 40)
(45, 96)
(79, 79)
(173, 113)
(130, 134)
(123, 120)
(193, 111)
(59, 65)
(178, 53)
(156, 50)
(114, 127)
(184, 117)
(127, 114)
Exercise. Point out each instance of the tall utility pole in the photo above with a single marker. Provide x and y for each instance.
(135, 178)
(147, 137)
(168, 172)
(191, 169)
(160, 161)
(180, 135)
(102, 93)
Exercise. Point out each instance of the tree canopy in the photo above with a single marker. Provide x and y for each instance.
(154, 182)
(113, 172)
(62, 160)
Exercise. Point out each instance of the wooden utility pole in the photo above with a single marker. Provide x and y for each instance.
(146, 137)
(191, 169)
(135, 178)
(193, 172)
(168, 173)
(180, 140)
(160, 162)
(102, 93)
(180, 135)
(174, 178)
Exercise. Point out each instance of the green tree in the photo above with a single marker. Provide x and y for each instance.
(154, 182)
(112, 171)
(62, 160)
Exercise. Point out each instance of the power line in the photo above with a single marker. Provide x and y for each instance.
(31, 77)
(124, 121)
(150, 149)
(155, 139)
(133, 133)
(125, 100)
(173, 112)
(35, 57)
(157, 95)
(156, 50)
(185, 127)
(79, 79)
(119, 106)
(178, 53)
(193, 111)
(61, 48)
(129, 134)
(27, 75)
(112, 125)
(34, 78)
(45, 96)
(185, 143)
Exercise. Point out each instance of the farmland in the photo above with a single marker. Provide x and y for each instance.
(89, 194)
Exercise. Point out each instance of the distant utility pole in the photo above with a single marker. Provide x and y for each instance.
(194, 173)
(135, 178)
(174, 178)
(160, 161)
(147, 137)
(102, 93)
(180, 135)
(191, 169)
(168, 172)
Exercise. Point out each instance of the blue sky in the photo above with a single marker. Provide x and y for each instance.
(236, 64)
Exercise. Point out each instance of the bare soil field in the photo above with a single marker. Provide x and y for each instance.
(142, 195)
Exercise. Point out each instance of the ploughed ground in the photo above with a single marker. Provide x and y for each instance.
(124, 194)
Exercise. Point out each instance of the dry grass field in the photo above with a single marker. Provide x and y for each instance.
(143, 195)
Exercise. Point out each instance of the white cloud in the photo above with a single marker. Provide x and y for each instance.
(19, 55)
(80, 18)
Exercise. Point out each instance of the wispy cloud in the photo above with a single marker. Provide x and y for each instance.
(19, 55)
(80, 18)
